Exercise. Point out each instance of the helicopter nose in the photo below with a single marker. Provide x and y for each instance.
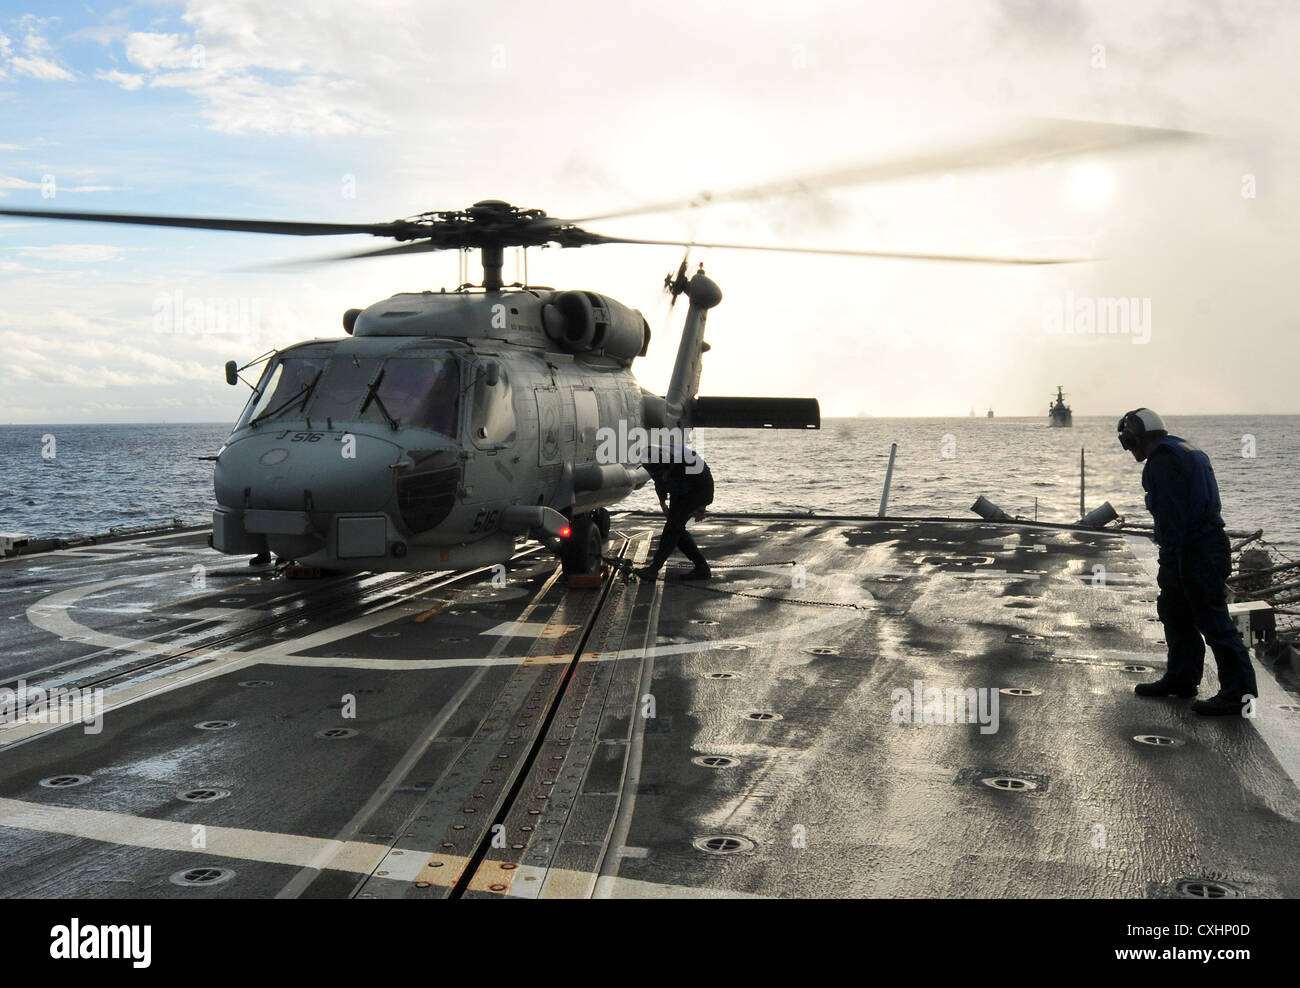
(331, 499)
(306, 471)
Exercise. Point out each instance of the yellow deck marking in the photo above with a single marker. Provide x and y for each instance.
(432, 611)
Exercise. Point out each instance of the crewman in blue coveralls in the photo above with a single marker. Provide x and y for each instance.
(685, 488)
(1183, 498)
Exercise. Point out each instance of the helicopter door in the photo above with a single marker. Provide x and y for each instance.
(549, 426)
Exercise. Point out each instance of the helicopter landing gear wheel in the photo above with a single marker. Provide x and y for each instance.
(581, 552)
(603, 520)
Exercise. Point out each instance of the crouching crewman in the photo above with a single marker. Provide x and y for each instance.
(685, 488)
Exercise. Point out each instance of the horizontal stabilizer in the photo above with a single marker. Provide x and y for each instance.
(756, 413)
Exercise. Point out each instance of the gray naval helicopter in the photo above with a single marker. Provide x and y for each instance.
(446, 426)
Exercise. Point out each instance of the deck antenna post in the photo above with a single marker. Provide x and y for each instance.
(889, 474)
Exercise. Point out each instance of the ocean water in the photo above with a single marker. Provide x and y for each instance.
(107, 476)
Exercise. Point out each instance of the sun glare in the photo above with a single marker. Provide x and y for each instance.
(1090, 186)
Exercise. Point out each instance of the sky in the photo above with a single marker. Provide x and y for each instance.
(345, 111)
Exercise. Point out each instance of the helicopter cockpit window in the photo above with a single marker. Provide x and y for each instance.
(423, 392)
(259, 400)
(492, 418)
(287, 390)
(343, 387)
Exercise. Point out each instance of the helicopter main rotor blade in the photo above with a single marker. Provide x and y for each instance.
(906, 255)
(416, 247)
(1043, 139)
(288, 227)
(597, 238)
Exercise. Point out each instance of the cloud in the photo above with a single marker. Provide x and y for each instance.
(40, 68)
(113, 28)
(127, 80)
(37, 60)
(153, 52)
(79, 253)
(13, 267)
(252, 75)
(94, 364)
(1043, 19)
(12, 182)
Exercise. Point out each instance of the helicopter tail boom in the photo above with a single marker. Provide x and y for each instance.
(755, 413)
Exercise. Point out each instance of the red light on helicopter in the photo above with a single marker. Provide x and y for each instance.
(565, 532)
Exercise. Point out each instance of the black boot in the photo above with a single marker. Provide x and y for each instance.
(646, 573)
(701, 572)
(1163, 687)
(1220, 705)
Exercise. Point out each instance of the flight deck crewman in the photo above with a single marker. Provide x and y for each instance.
(1183, 498)
(685, 488)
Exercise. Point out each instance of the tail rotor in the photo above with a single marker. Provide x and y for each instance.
(674, 286)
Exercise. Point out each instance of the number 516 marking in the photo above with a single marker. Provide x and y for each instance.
(485, 520)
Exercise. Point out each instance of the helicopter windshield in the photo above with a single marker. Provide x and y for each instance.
(418, 391)
(422, 392)
(286, 389)
(343, 387)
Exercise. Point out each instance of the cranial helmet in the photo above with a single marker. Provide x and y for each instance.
(1137, 427)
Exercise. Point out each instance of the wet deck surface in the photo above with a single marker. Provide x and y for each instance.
(431, 735)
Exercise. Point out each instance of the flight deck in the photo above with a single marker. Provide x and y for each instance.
(852, 707)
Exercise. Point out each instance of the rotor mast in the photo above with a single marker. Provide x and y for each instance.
(492, 257)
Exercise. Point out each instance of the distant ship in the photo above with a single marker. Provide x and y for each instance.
(972, 411)
(1059, 415)
(990, 415)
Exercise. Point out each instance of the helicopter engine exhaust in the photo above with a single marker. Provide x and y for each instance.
(581, 322)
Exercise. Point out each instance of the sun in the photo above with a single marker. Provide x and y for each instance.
(1090, 186)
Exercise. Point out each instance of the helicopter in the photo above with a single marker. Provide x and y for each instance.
(444, 427)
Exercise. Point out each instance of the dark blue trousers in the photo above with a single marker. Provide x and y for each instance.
(675, 536)
(1193, 607)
